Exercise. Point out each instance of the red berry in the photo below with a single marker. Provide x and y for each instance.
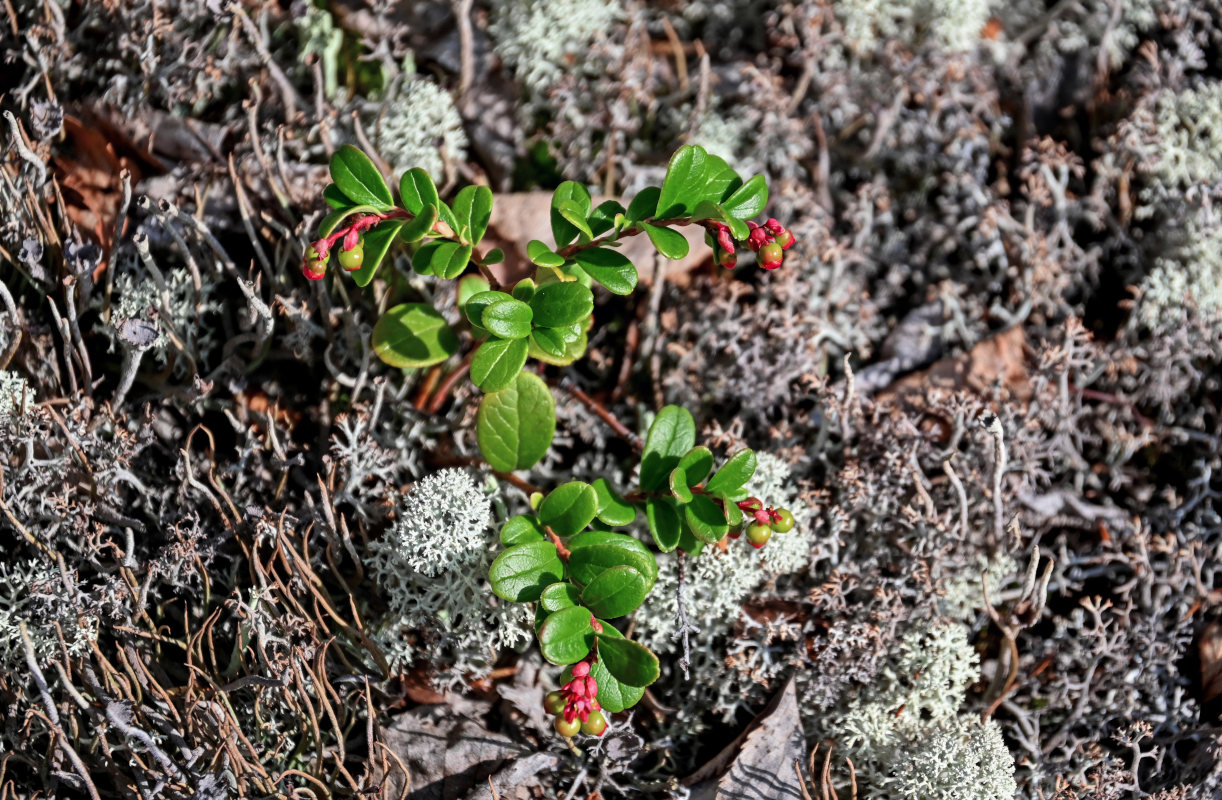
(771, 255)
(758, 535)
(566, 728)
(727, 259)
(595, 724)
(315, 270)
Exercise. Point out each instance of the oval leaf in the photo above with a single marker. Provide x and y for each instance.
(564, 231)
(630, 663)
(615, 592)
(420, 225)
(508, 319)
(697, 463)
(735, 473)
(413, 335)
(478, 303)
(497, 362)
(515, 426)
(684, 179)
(417, 190)
(670, 243)
(522, 572)
(610, 268)
(521, 529)
(613, 696)
(558, 596)
(542, 255)
(473, 209)
(612, 509)
(567, 635)
(359, 179)
(568, 509)
(377, 243)
(664, 524)
(644, 205)
(706, 519)
(749, 200)
(678, 485)
(558, 304)
(671, 435)
(594, 552)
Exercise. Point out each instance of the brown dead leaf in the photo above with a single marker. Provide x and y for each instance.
(1002, 357)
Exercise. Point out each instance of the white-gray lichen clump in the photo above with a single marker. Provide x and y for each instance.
(432, 566)
(542, 39)
(420, 127)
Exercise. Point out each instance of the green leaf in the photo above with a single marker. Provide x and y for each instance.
(615, 592)
(469, 286)
(733, 474)
(572, 350)
(594, 552)
(515, 426)
(613, 509)
(521, 529)
(542, 255)
(670, 243)
(706, 519)
(378, 240)
(558, 596)
(684, 181)
(738, 228)
(567, 635)
(644, 205)
(697, 463)
(720, 180)
(420, 225)
(671, 435)
(477, 304)
(413, 335)
(335, 198)
(331, 222)
(549, 340)
(568, 509)
(524, 290)
(508, 319)
(497, 362)
(472, 209)
(613, 696)
(494, 256)
(558, 304)
(734, 514)
(359, 179)
(630, 663)
(417, 190)
(564, 231)
(678, 486)
(443, 259)
(749, 200)
(522, 572)
(664, 523)
(610, 268)
(602, 219)
(574, 214)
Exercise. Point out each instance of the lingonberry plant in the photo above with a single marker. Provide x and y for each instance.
(564, 557)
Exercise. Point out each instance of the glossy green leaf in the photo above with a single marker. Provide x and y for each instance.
(413, 335)
(697, 463)
(678, 486)
(524, 290)
(615, 592)
(613, 696)
(494, 256)
(573, 213)
(558, 304)
(469, 286)
(359, 179)
(515, 426)
(522, 572)
(706, 519)
(567, 635)
(669, 243)
(644, 205)
(542, 255)
(473, 209)
(558, 596)
(593, 552)
(684, 180)
(563, 230)
(749, 200)
(612, 508)
(630, 663)
(497, 362)
(602, 218)
(720, 180)
(671, 435)
(378, 240)
(609, 267)
(569, 508)
(477, 304)
(738, 228)
(336, 198)
(508, 319)
(443, 259)
(417, 190)
(521, 529)
(734, 514)
(735, 473)
(420, 225)
(665, 524)
(572, 351)
(549, 340)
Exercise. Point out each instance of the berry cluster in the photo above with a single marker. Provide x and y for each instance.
(577, 699)
(767, 521)
(352, 250)
(768, 241)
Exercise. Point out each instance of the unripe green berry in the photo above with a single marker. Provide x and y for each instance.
(352, 259)
(566, 728)
(758, 535)
(595, 724)
(554, 703)
(771, 253)
(785, 523)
